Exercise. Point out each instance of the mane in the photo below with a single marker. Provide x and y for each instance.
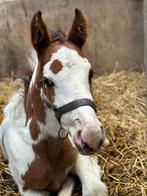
(58, 36)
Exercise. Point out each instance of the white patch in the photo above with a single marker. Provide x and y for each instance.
(90, 176)
(43, 96)
(33, 62)
(67, 187)
(14, 111)
(16, 137)
(32, 82)
(32, 192)
(68, 58)
(71, 83)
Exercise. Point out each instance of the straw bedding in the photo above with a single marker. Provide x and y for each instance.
(121, 100)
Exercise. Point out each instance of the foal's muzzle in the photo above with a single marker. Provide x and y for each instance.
(86, 145)
(86, 149)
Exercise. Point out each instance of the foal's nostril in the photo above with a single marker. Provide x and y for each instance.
(79, 132)
(79, 135)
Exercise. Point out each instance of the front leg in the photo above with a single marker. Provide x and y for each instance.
(90, 177)
(67, 187)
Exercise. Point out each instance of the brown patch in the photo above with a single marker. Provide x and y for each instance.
(34, 105)
(34, 129)
(47, 53)
(49, 92)
(48, 171)
(35, 108)
(56, 66)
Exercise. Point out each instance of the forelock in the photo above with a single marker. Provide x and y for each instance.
(58, 36)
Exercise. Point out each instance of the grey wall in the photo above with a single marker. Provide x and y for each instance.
(115, 39)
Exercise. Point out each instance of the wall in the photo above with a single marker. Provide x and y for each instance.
(115, 28)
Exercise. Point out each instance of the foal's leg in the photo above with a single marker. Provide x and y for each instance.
(90, 177)
(67, 187)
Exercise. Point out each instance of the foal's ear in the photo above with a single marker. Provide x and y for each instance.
(78, 32)
(39, 34)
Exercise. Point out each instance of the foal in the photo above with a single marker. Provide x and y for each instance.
(49, 127)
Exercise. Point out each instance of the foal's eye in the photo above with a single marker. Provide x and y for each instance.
(47, 83)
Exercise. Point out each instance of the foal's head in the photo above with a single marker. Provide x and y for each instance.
(64, 75)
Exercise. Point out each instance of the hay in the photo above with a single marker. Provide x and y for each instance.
(7, 87)
(121, 100)
(122, 106)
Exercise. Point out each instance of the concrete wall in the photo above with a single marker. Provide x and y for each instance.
(115, 40)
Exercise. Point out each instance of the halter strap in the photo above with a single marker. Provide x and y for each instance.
(71, 106)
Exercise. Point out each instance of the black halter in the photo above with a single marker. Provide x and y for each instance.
(67, 108)
(71, 106)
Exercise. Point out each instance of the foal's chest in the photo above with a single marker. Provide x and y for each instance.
(54, 159)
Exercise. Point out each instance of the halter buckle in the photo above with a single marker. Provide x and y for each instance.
(62, 133)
